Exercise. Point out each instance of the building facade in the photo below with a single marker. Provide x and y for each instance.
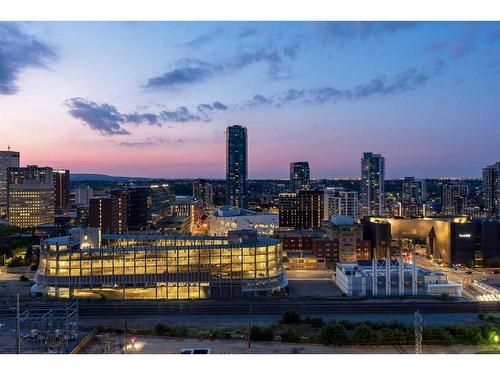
(236, 166)
(302, 210)
(228, 218)
(203, 189)
(31, 196)
(143, 266)
(372, 184)
(455, 199)
(61, 187)
(491, 189)
(8, 159)
(148, 206)
(340, 202)
(300, 178)
(109, 213)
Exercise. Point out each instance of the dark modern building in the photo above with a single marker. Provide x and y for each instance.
(61, 187)
(299, 176)
(379, 235)
(236, 166)
(109, 213)
(491, 189)
(372, 184)
(203, 189)
(301, 210)
(148, 206)
(476, 243)
(8, 159)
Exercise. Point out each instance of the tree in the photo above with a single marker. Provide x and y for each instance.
(334, 334)
(364, 335)
(261, 333)
(291, 335)
(290, 317)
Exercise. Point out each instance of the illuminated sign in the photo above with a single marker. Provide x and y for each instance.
(464, 235)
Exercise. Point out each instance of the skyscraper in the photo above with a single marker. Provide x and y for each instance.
(31, 196)
(236, 166)
(339, 201)
(455, 199)
(491, 189)
(203, 189)
(299, 176)
(109, 213)
(61, 187)
(413, 197)
(8, 159)
(372, 184)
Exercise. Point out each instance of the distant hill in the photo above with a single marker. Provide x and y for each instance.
(76, 177)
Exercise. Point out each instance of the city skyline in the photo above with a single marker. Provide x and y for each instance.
(167, 95)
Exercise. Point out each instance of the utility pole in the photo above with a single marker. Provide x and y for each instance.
(125, 338)
(419, 323)
(249, 325)
(18, 327)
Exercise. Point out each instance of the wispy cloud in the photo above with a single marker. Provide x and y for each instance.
(186, 71)
(190, 71)
(107, 120)
(360, 30)
(19, 51)
(147, 142)
(204, 39)
(406, 80)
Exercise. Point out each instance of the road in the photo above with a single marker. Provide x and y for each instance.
(470, 291)
(265, 307)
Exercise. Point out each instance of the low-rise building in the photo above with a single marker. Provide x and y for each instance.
(392, 278)
(228, 218)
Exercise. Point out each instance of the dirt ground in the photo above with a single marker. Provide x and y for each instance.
(10, 285)
(112, 343)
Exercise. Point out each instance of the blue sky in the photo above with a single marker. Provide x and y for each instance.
(154, 98)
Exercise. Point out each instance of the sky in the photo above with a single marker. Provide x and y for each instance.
(153, 99)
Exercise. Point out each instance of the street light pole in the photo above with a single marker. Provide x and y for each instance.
(18, 327)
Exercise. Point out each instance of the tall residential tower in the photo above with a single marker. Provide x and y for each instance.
(372, 184)
(491, 189)
(8, 159)
(236, 166)
(299, 176)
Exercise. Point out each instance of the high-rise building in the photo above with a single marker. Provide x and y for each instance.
(414, 190)
(339, 201)
(301, 210)
(8, 159)
(236, 166)
(30, 196)
(491, 189)
(372, 184)
(203, 189)
(148, 205)
(83, 195)
(413, 197)
(61, 187)
(455, 199)
(299, 176)
(109, 213)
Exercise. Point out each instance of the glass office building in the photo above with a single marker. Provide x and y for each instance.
(153, 266)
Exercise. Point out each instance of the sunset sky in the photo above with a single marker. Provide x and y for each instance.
(153, 99)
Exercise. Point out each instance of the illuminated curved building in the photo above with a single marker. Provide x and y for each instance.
(153, 266)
